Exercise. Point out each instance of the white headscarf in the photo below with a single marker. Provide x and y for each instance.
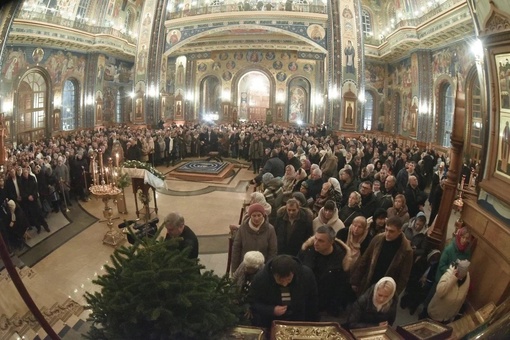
(12, 207)
(258, 197)
(383, 307)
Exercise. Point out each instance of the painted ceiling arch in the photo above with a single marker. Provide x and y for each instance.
(253, 35)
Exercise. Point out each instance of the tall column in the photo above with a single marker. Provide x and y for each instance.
(146, 61)
(437, 237)
(346, 65)
(2, 139)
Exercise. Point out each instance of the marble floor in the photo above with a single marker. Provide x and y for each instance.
(208, 208)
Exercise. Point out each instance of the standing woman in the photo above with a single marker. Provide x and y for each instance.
(255, 233)
(459, 249)
(16, 225)
(399, 209)
(352, 209)
(376, 307)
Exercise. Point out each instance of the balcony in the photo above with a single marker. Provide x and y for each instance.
(78, 24)
(244, 9)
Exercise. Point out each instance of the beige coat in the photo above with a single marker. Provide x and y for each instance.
(449, 297)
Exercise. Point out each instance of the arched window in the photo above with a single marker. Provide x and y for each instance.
(369, 111)
(83, 7)
(69, 106)
(474, 115)
(127, 21)
(445, 114)
(366, 23)
(298, 101)
(210, 96)
(31, 107)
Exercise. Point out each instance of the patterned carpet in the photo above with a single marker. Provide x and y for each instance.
(202, 167)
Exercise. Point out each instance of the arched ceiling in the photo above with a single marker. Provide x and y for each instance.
(247, 38)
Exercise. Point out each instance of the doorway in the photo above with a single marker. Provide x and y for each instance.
(253, 91)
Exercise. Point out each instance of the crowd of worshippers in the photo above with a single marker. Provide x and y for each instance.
(304, 269)
(339, 228)
(339, 221)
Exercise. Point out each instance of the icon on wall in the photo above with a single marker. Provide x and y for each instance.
(38, 55)
(231, 65)
(226, 75)
(281, 76)
(202, 67)
(293, 66)
(277, 65)
(173, 37)
(270, 55)
(316, 32)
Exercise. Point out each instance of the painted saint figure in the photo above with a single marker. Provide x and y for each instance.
(349, 58)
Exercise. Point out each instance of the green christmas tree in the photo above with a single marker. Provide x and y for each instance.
(154, 291)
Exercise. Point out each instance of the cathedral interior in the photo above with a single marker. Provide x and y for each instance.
(433, 73)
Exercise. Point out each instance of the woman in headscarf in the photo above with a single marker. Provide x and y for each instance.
(399, 209)
(451, 292)
(305, 165)
(255, 233)
(337, 191)
(15, 223)
(328, 215)
(258, 197)
(352, 209)
(416, 232)
(301, 176)
(376, 307)
(356, 237)
(458, 249)
(289, 180)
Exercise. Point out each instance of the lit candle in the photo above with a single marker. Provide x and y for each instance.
(117, 159)
(101, 168)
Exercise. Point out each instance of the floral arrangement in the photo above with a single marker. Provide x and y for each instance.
(122, 181)
(141, 165)
(145, 199)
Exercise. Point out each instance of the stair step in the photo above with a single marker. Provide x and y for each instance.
(72, 320)
(72, 335)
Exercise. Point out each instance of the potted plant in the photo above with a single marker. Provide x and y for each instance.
(153, 290)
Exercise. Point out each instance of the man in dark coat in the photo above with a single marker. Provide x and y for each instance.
(283, 290)
(369, 202)
(293, 226)
(329, 262)
(389, 254)
(274, 165)
(133, 152)
(175, 227)
(415, 197)
(347, 183)
(77, 168)
(30, 200)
